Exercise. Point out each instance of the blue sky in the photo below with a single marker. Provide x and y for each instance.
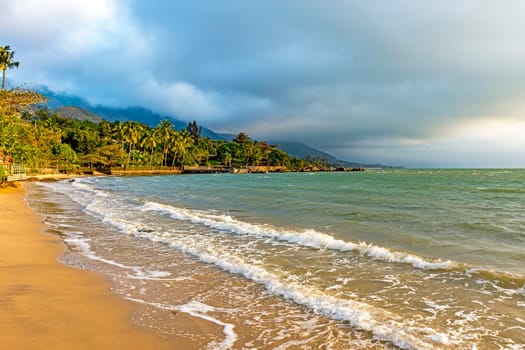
(413, 83)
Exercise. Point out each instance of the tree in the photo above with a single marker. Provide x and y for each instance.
(203, 150)
(252, 153)
(279, 157)
(6, 61)
(149, 141)
(242, 138)
(227, 159)
(104, 128)
(14, 101)
(195, 131)
(165, 131)
(119, 133)
(230, 153)
(65, 156)
(180, 143)
(132, 132)
(110, 155)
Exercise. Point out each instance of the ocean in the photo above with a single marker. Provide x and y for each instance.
(381, 259)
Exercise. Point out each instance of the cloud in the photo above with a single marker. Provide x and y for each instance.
(76, 46)
(383, 81)
(38, 23)
(182, 99)
(485, 142)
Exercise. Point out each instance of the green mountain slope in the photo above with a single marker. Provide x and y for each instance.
(78, 108)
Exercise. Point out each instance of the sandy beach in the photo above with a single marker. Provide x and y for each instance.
(48, 305)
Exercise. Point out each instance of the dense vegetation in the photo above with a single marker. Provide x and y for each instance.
(43, 140)
(40, 140)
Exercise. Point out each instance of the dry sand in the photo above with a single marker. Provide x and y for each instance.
(47, 305)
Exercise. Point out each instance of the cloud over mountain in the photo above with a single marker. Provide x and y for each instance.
(398, 82)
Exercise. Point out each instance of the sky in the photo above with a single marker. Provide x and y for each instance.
(407, 83)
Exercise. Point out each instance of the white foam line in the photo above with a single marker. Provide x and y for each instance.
(382, 324)
(86, 249)
(494, 281)
(199, 310)
(307, 238)
(139, 272)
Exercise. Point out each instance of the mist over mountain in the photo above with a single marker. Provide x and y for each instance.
(301, 150)
(76, 107)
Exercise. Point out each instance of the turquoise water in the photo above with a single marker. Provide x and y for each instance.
(416, 259)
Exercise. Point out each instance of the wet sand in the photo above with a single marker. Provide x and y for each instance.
(47, 305)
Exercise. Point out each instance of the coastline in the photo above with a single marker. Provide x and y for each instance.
(46, 304)
(251, 285)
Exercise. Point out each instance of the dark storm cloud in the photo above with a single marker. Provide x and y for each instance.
(394, 81)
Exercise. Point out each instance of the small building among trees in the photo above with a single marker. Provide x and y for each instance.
(9, 171)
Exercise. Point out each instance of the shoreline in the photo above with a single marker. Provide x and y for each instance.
(173, 263)
(47, 304)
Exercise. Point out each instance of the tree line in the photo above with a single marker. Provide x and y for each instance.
(42, 139)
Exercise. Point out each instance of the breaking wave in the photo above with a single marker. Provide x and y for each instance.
(306, 238)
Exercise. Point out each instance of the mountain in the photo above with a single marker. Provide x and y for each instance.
(301, 150)
(55, 101)
(78, 108)
(78, 113)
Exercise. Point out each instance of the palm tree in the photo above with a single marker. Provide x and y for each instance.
(6, 61)
(165, 132)
(252, 152)
(183, 141)
(105, 131)
(195, 131)
(173, 145)
(132, 132)
(150, 140)
(119, 133)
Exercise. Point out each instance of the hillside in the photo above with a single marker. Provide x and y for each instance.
(77, 108)
(78, 113)
(301, 150)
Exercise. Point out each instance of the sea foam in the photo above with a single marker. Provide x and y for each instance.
(88, 195)
(306, 238)
(77, 240)
(198, 309)
(382, 324)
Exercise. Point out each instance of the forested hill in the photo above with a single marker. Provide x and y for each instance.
(75, 107)
(43, 141)
(78, 114)
(303, 151)
(78, 108)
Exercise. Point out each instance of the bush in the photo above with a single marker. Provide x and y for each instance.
(3, 174)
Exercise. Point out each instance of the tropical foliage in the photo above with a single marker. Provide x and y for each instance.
(44, 140)
(40, 139)
(6, 61)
